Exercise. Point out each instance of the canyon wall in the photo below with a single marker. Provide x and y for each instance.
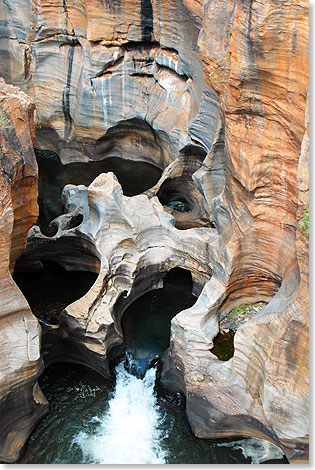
(21, 402)
(214, 96)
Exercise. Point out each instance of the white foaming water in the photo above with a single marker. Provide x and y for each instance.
(258, 450)
(129, 431)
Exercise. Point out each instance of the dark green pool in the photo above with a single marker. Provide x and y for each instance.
(146, 323)
(90, 422)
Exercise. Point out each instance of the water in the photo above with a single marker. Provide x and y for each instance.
(89, 422)
(223, 345)
(258, 450)
(130, 430)
(146, 323)
(179, 206)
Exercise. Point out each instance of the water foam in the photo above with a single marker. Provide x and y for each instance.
(258, 450)
(129, 432)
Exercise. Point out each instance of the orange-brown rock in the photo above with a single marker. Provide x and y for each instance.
(258, 64)
(21, 401)
(227, 79)
(90, 65)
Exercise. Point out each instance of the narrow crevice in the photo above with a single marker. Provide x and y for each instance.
(66, 95)
(146, 20)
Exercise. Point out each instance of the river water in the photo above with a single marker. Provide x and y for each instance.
(91, 422)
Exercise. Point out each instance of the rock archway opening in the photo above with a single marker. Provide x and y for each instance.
(223, 345)
(53, 288)
(185, 201)
(146, 322)
(135, 177)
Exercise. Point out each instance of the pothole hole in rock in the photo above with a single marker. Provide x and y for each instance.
(223, 345)
(146, 322)
(173, 194)
(135, 177)
(183, 198)
(52, 289)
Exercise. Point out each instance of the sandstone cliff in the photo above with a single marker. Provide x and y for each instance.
(213, 94)
(21, 401)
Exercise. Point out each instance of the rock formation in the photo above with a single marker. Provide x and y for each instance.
(259, 70)
(137, 244)
(21, 402)
(213, 99)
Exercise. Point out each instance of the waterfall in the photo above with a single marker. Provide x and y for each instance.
(129, 432)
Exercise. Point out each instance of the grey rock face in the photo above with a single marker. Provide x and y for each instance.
(136, 242)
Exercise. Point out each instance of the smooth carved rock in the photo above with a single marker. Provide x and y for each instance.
(264, 388)
(137, 245)
(231, 79)
(90, 67)
(21, 401)
(178, 184)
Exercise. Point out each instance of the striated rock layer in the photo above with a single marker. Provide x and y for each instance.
(90, 65)
(258, 65)
(137, 245)
(214, 96)
(21, 401)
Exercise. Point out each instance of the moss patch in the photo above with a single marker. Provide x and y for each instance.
(305, 224)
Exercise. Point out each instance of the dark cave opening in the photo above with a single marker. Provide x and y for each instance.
(174, 193)
(135, 177)
(52, 289)
(146, 323)
(223, 345)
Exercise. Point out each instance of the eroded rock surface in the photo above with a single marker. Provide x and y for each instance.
(91, 66)
(137, 244)
(257, 63)
(21, 401)
(214, 95)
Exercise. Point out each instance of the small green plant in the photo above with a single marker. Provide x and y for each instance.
(244, 308)
(241, 309)
(4, 119)
(305, 224)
